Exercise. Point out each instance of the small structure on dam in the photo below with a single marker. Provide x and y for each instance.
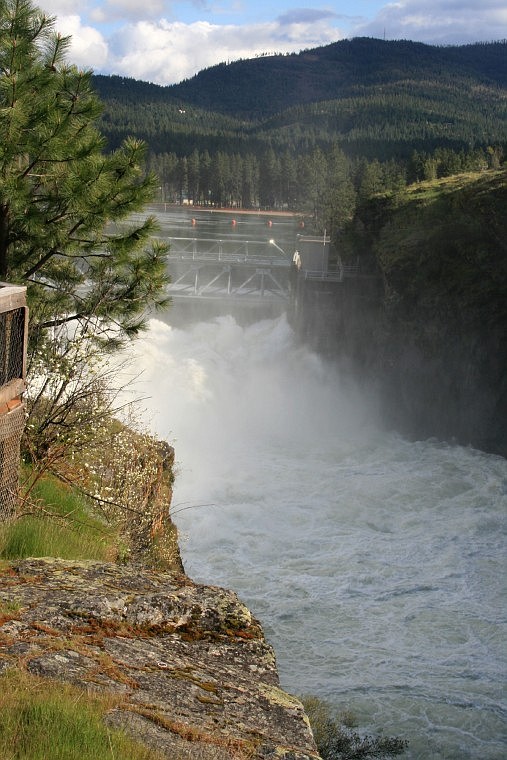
(328, 299)
(312, 255)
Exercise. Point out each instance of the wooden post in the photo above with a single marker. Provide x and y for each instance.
(13, 345)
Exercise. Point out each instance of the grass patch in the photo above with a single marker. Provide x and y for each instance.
(42, 720)
(59, 523)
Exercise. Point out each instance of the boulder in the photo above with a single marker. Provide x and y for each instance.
(195, 673)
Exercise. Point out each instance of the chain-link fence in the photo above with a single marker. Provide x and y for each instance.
(13, 333)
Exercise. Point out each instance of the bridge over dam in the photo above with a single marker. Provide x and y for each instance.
(228, 268)
(236, 268)
(254, 267)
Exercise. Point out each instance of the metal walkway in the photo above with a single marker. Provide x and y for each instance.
(237, 268)
(227, 268)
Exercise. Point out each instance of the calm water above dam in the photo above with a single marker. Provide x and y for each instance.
(376, 565)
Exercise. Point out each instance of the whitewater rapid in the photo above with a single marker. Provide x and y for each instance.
(375, 564)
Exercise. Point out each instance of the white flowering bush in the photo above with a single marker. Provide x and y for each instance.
(80, 428)
(130, 481)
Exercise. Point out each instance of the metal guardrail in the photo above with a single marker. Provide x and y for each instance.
(318, 274)
(337, 275)
(350, 270)
(229, 251)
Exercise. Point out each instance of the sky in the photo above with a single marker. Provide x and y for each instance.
(166, 41)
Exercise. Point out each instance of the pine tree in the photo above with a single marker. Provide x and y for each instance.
(64, 202)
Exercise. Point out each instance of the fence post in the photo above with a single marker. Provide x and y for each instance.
(13, 340)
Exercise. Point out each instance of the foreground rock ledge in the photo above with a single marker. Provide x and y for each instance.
(198, 679)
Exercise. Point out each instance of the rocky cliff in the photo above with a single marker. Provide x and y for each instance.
(196, 677)
(424, 325)
(442, 251)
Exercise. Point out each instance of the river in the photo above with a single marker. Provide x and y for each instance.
(376, 565)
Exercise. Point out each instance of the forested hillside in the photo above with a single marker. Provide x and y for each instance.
(299, 131)
(256, 89)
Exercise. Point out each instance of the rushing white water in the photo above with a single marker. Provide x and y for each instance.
(376, 565)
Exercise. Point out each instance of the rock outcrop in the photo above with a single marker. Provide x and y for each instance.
(197, 678)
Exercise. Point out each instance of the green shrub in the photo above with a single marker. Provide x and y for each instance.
(336, 739)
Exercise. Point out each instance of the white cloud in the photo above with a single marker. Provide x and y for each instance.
(440, 21)
(166, 52)
(60, 7)
(134, 9)
(142, 39)
(307, 28)
(88, 47)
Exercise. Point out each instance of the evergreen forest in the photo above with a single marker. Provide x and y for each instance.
(319, 131)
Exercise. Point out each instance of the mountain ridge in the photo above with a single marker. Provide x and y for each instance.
(268, 84)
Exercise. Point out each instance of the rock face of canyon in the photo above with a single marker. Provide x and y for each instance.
(196, 676)
(422, 327)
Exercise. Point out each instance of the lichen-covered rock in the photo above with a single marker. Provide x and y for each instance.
(196, 675)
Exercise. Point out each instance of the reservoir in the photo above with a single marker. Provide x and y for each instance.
(376, 565)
